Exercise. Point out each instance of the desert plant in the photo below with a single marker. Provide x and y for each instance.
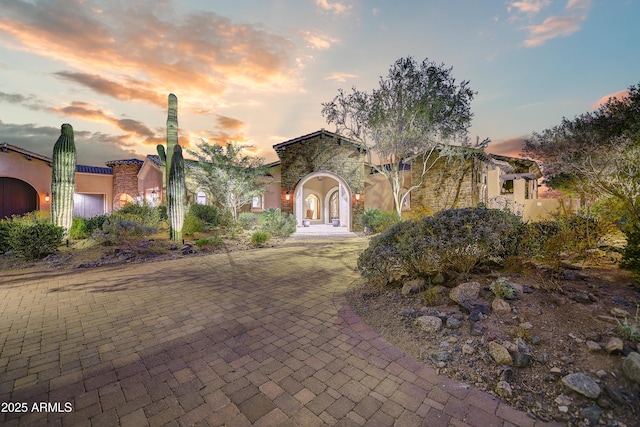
(63, 179)
(33, 238)
(260, 237)
(122, 228)
(147, 215)
(78, 229)
(176, 195)
(247, 220)
(502, 289)
(277, 223)
(630, 330)
(192, 224)
(375, 221)
(432, 296)
(213, 241)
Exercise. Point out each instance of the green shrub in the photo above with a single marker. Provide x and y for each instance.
(260, 237)
(502, 289)
(192, 224)
(247, 220)
(122, 228)
(213, 241)
(32, 238)
(277, 223)
(94, 223)
(376, 221)
(148, 216)
(5, 227)
(456, 239)
(78, 229)
(210, 215)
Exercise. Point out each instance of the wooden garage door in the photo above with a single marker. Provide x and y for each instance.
(16, 197)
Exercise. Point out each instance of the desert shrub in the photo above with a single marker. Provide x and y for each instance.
(502, 289)
(122, 227)
(277, 223)
(94, 223)
(260, 237)
(375, 221)
(192, 224)
(630, 330)
(247, 220)
(631, 252)
(78, 229)
(213, 241)
(419, 212)
(456, 239)
(33, 238)
(210, 215)
(148, 216)
(5, 227)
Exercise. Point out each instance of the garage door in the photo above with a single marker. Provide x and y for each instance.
(16, 197)
(88, 205)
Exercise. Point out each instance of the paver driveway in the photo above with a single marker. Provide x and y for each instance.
(250, 338)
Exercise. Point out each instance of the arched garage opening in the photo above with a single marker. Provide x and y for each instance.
(16, 197)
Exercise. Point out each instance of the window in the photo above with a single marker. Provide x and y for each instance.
(507, 187)
(256, 203)
(201, 198)
(334, 206)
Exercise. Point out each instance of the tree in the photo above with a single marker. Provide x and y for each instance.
(597, 154)
(228, 175)
(415, 109)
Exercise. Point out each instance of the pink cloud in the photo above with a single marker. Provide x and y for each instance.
(621, 94)
(337, 8)
(553, 27)
(511, 146)
(530, 6)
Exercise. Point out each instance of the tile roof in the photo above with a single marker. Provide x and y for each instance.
(94, 169)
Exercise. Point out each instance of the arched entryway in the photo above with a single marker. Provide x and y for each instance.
(17, 197)
(322, 197)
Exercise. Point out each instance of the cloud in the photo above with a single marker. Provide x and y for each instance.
(142, 50)
(619, 95)
(340, 77)
(89, 145)
(230, 123)
(558, 25)
(29, 101)
(318, 40)
(336, 8)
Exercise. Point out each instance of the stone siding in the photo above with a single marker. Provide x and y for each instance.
(323, 152)
(125, 181)
(449, 183)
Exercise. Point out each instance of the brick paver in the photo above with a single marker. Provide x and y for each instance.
(258, 337)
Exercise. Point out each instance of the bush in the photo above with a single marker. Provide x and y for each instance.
(192, 224)
(213, 241)
(247, 220)
(210, 215)
(5, 227)
(375, 221)
(146, 215)
(456, 239)
(502, 289)
(78, 229)
(94, 223)
(122, 227)
(32, 238)
(277, 223)
(260, 237)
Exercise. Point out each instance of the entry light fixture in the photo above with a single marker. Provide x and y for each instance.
(357, 195)
(46, 197)
(154, 194)
(287, 196)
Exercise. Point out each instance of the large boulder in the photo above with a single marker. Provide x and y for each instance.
(583, 384)
(465, 292)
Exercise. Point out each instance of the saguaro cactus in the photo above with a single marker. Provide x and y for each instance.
(63, 179)
(176, 191)
(172, 137)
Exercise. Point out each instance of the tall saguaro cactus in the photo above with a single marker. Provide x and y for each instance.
(176, 192)
(174, 172)
(63, 178)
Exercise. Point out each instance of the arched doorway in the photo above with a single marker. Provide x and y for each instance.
(325, 196)
(16, 197)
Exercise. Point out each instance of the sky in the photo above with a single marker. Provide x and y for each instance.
(256, 72)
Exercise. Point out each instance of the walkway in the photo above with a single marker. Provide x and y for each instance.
(258, 337)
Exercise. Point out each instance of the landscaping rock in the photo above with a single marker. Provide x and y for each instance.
(429, 323)
(593, 346)
(453, 323)
(500, 354)
(592, 413)
(631, 367)
(503, 389)
(500, 306)
(614, 345)
(412, 286)
(583, 384)
(521, 360)
(465, 292)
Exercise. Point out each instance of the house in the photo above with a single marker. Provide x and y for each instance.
(321, 178)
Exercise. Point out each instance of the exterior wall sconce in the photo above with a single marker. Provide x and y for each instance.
(154, 194)
(46, 197)
(357, 195)
(287, 196)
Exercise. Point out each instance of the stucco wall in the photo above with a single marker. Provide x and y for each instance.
(35, 172)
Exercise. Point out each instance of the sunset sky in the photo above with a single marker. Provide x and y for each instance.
(257, 71)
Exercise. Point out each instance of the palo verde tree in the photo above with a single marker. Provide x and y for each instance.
(229, 175)
(416, 110)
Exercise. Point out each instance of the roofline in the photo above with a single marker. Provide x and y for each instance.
(315, 134)
(4, 147)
